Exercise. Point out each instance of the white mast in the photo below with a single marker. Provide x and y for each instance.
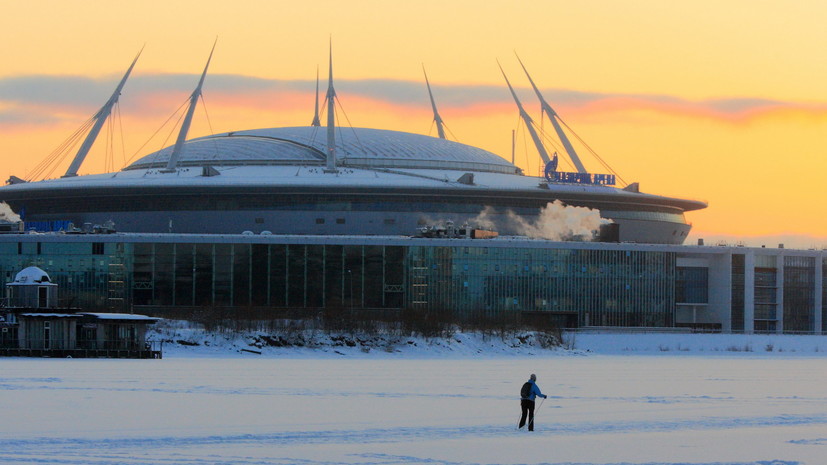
(437, 118)
(552, 115)
(100, 117)
(528, 122)
(513, 145)
(185, 125)
(316, 121)
(331, 119)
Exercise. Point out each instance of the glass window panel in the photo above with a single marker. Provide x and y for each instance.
(315, 272)
(184, 274)
(241, 274)
(203, 275)
(259, 275)
(223, 274)
(278, 275)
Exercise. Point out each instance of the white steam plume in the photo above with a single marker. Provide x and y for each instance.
(484, 220)
(559, 222)
(6, 214)
(556, 222)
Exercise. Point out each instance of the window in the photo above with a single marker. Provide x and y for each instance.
(340, 221)
(259, 220)
(97, 248)
(692, 285)
(47, 334)
(42, 297)
(390, 221)
(319, 220)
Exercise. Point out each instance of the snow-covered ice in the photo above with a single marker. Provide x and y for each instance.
(613, 404)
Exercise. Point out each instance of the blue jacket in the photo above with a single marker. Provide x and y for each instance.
(535, 392)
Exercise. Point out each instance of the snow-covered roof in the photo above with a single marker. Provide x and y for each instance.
(121, 317)
(51, 315)
(369, 161)
(31, 276)
(355, 147)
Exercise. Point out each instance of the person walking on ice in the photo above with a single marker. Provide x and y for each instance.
(528, 393)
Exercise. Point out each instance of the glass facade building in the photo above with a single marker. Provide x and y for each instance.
(572, 284)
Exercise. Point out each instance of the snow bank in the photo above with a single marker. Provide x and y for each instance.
(697, 344)
(188, 340)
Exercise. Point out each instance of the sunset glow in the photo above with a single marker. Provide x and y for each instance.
(723, 102)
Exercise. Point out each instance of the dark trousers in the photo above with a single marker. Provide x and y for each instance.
(527, 406)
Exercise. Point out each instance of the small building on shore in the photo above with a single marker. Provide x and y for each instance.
(31, 288)
(33, 325)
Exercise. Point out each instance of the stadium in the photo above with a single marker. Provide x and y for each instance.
(325, 218)
(333, 180)
(386, 182)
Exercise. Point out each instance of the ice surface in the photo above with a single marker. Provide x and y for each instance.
(199, 406)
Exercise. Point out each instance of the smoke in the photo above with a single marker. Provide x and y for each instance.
(556, 222)
(559, 222)
(484, 220)
(6, 214)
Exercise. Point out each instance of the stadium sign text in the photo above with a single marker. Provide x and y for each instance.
(552, 175)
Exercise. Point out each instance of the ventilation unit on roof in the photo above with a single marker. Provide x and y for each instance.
(209, 171)
(467, 178)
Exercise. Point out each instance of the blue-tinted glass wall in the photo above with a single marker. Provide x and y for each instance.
(267, 275)
(598, 287)
(692, 285)
(81, 270)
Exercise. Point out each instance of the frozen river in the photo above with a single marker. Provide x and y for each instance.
(602, 409)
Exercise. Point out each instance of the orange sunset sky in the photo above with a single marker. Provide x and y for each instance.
(719, 101)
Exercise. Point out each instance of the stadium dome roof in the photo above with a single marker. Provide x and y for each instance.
(355, 147)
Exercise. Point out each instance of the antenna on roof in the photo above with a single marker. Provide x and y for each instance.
(552, 115)
(331, 118)
(185, 125)
(100, 117)
(437, 119)
(528, 121)
(316, 121)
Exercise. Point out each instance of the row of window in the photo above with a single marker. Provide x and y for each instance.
(37, 248)
(798, 294)
(625, 287)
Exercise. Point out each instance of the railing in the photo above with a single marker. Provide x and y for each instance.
(81, 349)
(628, 329)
